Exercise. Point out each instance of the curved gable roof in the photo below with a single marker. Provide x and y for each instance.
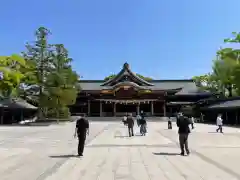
(128, 84)
(126, 71)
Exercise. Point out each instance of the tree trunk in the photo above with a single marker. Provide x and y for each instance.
(41, 76)
(230, 89)
(57, 110)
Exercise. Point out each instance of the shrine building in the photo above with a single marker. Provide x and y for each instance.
(128, 93)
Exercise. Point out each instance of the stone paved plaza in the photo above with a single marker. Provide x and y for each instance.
(48, 153)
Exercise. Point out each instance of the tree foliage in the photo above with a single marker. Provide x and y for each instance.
(61, 83)
(139, 75)
(42, 75)
(225, 75)
(10, 68)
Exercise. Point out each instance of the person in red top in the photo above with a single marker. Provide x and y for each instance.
(82, 129)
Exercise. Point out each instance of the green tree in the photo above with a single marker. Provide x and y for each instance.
(139, 75)
(144, 77)
(206, 82)
(110, 77)
(10, 68)
(231, 69)
(39, 55)
(62, 82)
(225, 75)
(223, 72)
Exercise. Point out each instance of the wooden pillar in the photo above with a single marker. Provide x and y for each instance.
(138, 108)
(23, 116)
(227, 117)
(89, 107)
(152, 108)
(114, 109)
(100, 108)
(2, 114)
(236, 118)
(164, 108)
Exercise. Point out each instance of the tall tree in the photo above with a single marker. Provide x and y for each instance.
(62, 82)
(39, 54)
(223, 69)
(231, 56)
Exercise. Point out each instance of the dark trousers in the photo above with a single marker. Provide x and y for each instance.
(192, 125)
(130, 131)
(169, 124)
(143, 129)
(81, 143)
(183, 141)
(219, 128)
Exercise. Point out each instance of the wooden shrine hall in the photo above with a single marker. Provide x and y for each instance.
(128, 93)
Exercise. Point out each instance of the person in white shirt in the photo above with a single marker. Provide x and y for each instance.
(138, 119)
(219, 123)
(124, 120)
(192, 122)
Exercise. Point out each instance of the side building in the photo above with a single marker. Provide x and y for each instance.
(128, 93)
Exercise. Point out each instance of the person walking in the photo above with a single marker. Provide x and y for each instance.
(142, 114)
(183, 131)
(169, 122)
(130, 124)
(219, 123)
(143, 126)
(81, 130)
(192, 122)
(124, 120)
(138, 119)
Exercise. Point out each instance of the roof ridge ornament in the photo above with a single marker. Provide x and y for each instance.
(126, 65)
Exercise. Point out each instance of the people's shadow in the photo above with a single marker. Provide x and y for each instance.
(64, 156)
(119, 136)
(213, 132)
(138, 135)
(166, 154)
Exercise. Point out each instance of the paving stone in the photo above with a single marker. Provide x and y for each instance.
(48, 153)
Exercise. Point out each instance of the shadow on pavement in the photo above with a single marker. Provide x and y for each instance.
(213, 132)
(64, 156)
(120, 136)
(166, 154)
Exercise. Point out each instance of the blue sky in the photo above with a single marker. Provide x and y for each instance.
(164, 39)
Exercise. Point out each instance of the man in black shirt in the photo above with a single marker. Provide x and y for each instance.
(82, 129)
(183, 131)
(130, 123)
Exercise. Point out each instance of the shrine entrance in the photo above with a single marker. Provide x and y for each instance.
(113, 107)
(122, 109)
